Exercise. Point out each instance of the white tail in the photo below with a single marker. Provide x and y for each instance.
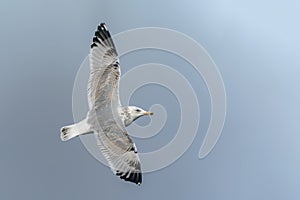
(71, 131)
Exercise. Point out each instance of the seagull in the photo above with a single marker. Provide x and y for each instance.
(107, 118)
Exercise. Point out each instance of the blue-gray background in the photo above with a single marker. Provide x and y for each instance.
(256, 47)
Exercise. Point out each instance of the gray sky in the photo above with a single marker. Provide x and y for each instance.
(256, 48)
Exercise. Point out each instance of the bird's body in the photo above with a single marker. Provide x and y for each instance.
(128, 115)
(106, 117)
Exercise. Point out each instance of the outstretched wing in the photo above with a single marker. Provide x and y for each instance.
(119, 151)
(103, 95)
(104, 67)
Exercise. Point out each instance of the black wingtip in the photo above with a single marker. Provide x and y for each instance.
(102, 36)
(94, 45)
(103, 25)
(135, 177)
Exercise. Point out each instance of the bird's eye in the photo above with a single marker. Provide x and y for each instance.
(138, 110)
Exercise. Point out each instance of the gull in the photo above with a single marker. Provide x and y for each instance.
(106, 117)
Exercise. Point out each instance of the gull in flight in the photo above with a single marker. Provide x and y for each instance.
(106, 117)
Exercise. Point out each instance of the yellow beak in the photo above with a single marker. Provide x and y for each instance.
(148, 113)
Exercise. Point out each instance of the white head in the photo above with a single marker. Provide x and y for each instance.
(132, 113)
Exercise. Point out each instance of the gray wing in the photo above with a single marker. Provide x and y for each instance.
(104, 67)
(119, 151)
(103, 95)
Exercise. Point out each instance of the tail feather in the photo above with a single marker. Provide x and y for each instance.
(71, 131)
(67, 132)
